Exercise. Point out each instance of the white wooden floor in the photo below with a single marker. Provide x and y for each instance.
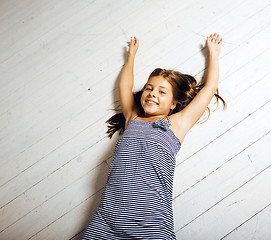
(59, 64)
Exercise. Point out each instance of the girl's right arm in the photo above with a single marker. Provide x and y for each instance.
(126, 82)
(186, 118)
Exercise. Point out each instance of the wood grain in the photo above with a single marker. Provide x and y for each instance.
(60, 62)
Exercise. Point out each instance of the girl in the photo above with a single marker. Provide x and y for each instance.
(137, 200)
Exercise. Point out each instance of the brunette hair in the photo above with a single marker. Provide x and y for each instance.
(185, 88)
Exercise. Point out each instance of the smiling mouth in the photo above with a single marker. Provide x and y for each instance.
(150, 102)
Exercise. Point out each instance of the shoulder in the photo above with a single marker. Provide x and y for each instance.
(179, 125)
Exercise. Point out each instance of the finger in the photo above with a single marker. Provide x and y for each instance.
(137, 41)
(210, 37)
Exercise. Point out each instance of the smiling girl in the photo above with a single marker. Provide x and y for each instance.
(137, 199)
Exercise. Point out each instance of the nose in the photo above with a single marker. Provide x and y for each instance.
(152, 93)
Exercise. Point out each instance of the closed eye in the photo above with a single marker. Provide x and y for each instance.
(162, 92)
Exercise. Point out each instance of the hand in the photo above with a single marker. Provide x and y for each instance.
(133, 46)
(214, 45)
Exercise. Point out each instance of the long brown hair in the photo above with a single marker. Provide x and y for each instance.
(185, 88)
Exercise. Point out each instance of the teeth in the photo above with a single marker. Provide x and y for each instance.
(149, 101)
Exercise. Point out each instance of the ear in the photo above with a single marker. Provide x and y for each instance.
(174, 104)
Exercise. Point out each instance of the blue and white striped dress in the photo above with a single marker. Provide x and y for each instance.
(137, 199)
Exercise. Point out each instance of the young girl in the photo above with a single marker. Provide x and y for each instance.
(137, 199)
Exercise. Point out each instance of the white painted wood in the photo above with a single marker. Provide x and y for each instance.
(89, 96)
(81, 164)
(217, 185)
(54, 152)
(40, 217)
(38, 134)
(243, 134)
(254, 227)
(35, 100)
(241, 203)
(241, 101)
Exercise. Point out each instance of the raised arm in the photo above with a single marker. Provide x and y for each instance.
(126, 82)
(195, 109)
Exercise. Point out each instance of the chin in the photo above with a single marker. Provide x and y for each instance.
(152, 113)
(147, 112)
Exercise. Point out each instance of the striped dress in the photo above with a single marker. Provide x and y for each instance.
(137, 199)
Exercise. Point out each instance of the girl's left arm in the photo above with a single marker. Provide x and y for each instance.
(195, 109)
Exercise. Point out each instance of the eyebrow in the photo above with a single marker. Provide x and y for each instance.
(159, 86)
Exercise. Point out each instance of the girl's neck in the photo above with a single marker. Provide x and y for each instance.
(152, 117)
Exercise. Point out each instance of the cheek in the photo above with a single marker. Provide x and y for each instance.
(167, 101)
(144, 94)
(142, 97)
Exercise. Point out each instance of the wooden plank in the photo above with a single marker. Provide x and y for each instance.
(20, 110)
(53, 161)
(255, 227)
(68, 229)
(221, 120)
(181, 55)
(39, 218)
(235, 43)
(36, 20)
(13, 12)
(53, 47)
(232, 193)
(73, 42)
(215, 154)
(82, 164)
(217, 184)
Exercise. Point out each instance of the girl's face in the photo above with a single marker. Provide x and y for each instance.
(157, 97)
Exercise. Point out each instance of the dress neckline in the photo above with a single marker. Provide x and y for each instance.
(151, 121)
(148, 122)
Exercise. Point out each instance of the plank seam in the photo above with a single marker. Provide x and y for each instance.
(246, 220)
(223, 133)
(225, 196)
